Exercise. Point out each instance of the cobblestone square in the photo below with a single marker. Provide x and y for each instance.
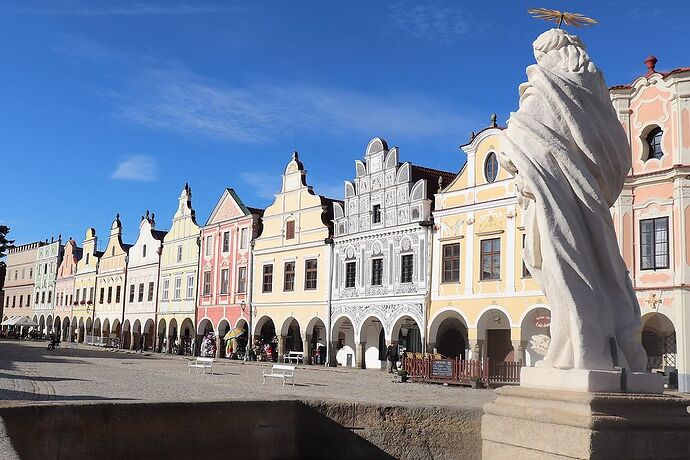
(29, 372)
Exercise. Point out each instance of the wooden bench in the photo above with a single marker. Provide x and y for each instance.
(200, 363)
(280, 371)
(296, 356)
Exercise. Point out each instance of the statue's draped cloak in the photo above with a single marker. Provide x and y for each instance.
(570, 157)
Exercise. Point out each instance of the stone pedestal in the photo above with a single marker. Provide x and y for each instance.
(592, 381)
(540, 424)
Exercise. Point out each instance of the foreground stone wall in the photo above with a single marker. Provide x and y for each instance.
(238, 429)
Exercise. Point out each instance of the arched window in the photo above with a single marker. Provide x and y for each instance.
(654, 143)
(179, 253)
(491, 167)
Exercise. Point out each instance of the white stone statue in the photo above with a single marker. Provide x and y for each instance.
(570, 156)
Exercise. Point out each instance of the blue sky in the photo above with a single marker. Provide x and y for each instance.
(110, 106)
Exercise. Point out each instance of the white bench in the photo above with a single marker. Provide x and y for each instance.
(280, 371)
(200, 363)
(296, 356)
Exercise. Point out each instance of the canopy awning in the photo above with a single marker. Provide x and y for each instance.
(19, 321)
(237, 332)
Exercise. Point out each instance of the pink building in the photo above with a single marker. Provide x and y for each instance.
(652, 215)
(64, 288)
(224, 268)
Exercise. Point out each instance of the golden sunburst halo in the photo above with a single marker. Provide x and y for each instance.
(562, 17)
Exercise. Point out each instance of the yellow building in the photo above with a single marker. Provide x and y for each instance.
(85, 285)
(483, 302)
(291, 267)
(110, 286)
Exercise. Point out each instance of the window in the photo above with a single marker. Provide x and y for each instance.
(310, 274)
(376, 214)
(243, 238)
(91, 294)
(289, 277)
(179, 253)
(87, 258)
(83, 294)
(290, 230)
(76, 292)
(190, 286)
(131, 293)
(406, 268)
(491, 259)
(143, 251)
(44, 297)
(100, 299)
(207, 283)
(118, 291)
(491, 167)
(267, 285)
(242, 279)
(112, 251)
(226, 241)
(209, 245)
(140, 297)
(654, 243)
(21, 301)
(350, 274)
(150, 296)
(654, 144)
(178, 288)
(525, 272)
(110, 294)
(166, 288)
(377, 272)
(224, 281)
(451, 263)
(14, 301)
(50, 296)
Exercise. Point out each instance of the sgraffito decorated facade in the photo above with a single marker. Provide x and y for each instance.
(382, 235)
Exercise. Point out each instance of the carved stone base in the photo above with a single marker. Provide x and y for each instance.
(539, 424)
(592, 381)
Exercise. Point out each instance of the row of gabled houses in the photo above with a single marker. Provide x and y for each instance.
(422, 258)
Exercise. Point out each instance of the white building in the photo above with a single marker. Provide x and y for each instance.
(380, 253)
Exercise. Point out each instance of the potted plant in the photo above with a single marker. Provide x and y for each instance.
(476, 382)
(402, 373)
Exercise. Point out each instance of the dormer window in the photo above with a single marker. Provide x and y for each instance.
(654, 143)
(290, 230)
(376, 214)
(491, 167)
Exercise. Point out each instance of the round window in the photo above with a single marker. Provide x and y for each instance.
(491, 167)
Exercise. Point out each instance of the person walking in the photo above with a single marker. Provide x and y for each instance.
(392, 355)
(142, 339)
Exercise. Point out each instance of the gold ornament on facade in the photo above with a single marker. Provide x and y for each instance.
(562, 17)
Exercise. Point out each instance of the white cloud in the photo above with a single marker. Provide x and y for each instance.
(432, 20)
(140, 168)
(264, 185)
(179, 101)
